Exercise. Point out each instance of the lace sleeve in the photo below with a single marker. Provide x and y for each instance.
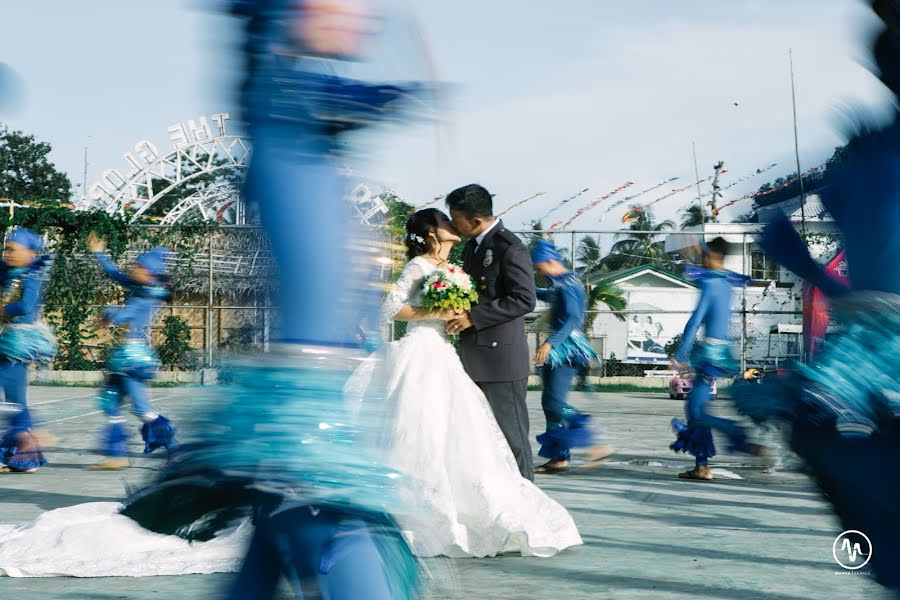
(406, 290)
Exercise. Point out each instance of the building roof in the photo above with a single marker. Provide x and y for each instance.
(624, 275)
(813, 210)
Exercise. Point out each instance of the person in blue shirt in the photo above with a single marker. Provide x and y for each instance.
(23, 340)
(710, 359)
(133, 363)
(559, 358)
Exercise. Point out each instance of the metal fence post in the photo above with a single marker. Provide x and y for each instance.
(744, 259)
(209, 305)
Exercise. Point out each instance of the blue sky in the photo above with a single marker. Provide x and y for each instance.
(548, 96)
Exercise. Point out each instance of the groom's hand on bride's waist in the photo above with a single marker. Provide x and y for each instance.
(459, 324)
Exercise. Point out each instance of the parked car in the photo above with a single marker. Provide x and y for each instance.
(683, 382)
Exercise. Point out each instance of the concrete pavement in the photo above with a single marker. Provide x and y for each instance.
(748, 535)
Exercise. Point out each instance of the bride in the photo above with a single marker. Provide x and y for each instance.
(468, 494)
(462, 486)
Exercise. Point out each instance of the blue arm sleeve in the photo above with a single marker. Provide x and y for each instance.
(693, 325)
(27, 303)
(570, 307)
(111, 270)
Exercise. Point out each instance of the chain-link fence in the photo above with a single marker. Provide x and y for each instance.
(640, 296)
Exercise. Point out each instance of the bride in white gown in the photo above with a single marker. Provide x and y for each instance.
(463, 492)
(468, 496)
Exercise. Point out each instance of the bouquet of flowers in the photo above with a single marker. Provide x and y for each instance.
(449, 289)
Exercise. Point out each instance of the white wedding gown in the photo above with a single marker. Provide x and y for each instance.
(94, 540)
(463, 494)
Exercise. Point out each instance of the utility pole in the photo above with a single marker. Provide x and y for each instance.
(716, 193)
(797, 146)
(84, 177)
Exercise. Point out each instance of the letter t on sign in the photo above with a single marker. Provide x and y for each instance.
(219, 119)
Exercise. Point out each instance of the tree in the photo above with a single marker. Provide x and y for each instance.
(641, 247)
(694, 215)
(176, 351)
(604, 292)
(587, 256)
(672, 345)
(26, 173)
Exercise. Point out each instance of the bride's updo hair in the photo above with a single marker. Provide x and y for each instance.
(419, 228)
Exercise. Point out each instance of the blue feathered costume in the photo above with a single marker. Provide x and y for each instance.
(567, 428)
(133, 362)
(24, 340)
(279, 443)
(710, 359)
(842, 409)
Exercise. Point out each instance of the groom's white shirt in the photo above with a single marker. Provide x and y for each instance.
(484, 233)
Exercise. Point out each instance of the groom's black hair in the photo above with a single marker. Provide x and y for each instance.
(471, 200)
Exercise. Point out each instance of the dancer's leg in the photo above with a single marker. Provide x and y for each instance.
(330, 555)
(556, 382)
(698, 415)
(14, 382)
(114, 437)
(157, 431)
(19, 449)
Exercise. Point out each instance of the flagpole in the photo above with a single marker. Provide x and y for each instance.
(797, 146)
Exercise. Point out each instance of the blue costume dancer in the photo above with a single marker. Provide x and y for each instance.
(559, 358)
(133, 362)
(282, 441)
(710, 359)
(23, 340)
(842, 411)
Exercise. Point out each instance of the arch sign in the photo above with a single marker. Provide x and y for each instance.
(199, 148)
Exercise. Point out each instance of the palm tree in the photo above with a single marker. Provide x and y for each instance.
(604, 292)
(587, 256)
(694, 215)
(641, 247)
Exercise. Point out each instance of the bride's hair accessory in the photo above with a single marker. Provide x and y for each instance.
(416, 238)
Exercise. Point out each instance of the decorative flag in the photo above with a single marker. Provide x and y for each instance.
(521, 202)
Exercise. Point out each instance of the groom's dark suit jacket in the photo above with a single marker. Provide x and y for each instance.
(496, 348)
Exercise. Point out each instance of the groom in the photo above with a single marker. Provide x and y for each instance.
(492, 344)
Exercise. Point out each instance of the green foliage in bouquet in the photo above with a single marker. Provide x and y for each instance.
(449, 289)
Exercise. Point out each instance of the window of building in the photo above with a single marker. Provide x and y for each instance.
(762, 267)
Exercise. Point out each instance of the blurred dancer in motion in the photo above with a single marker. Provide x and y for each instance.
(710, 359)
(842, 409)
(23, 340)
(559, 358)
(281, 439)
(133, 362)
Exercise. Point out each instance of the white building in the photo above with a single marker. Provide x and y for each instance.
(774, 299)
(659, 305)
